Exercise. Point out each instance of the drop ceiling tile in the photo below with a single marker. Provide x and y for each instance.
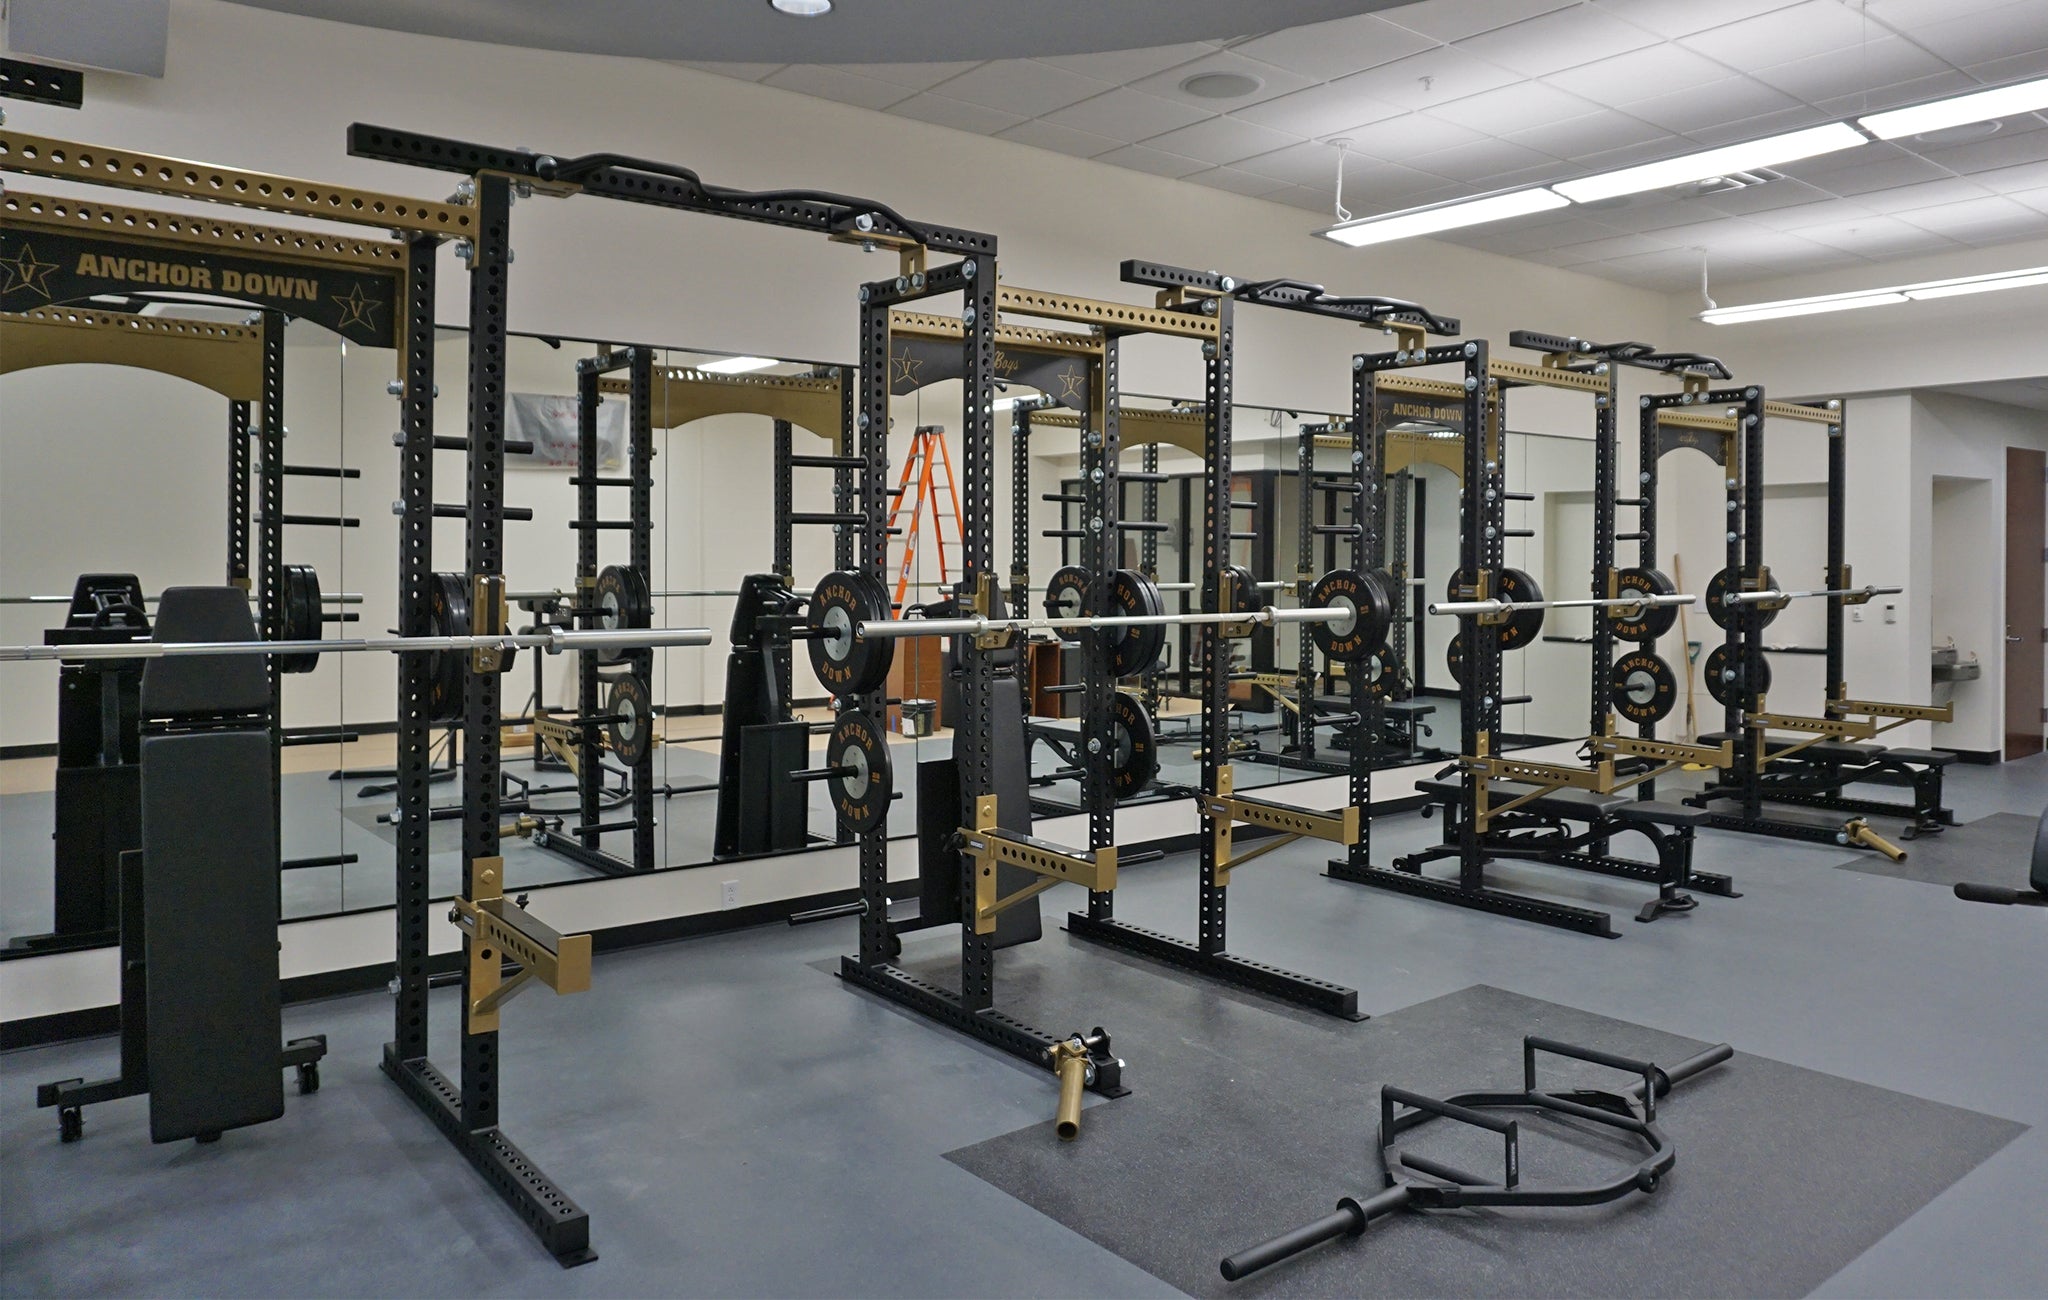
(2016, 67)
(1917, 91)
(1576, 230)
(1273, 81)
(1508, 238)
(1303, 164)
(1703, 107)
(833, 84)
(1644, 214)
(1807, 28)
(1928, 194)
(1905, 15)
(2008, 180)
(1566, 38)
(1769, 197)
(1302, 196)
(1660, 69)
(1985, 218)
(1591, 134)
(1519, 106)
(1126, 114)
(1674, 18)
(1022, 87)
(2006, 149)
(1335, 49)
(1220, 140)
(1236, 182)
(1118, 67)
(1383, 184)
(1399, 139)
(1607, 160)
(1987, 34)
(1486, 163)
(1060, 139)
(1322, 111)
(1139, 158)
(959, 115)
(1600, 250)
(1453, 20)
(1853, 177)
(1760, 126)
(1801, 215)
(1643, 273)
(1877, 236)
(2035, 199)
(1429, 79)
(738, 71)
(1816, 77)
(917, 76)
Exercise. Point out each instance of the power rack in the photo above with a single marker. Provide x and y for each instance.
(469, 1114)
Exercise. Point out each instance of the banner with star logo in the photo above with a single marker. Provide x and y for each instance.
(41, 267)
(916, 362)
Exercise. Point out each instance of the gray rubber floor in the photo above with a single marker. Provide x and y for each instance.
(1992, 850)
(739, 1124)
(1783, 1160)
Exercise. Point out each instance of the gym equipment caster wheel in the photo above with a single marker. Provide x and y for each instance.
(70, 1123)
(309, 1078)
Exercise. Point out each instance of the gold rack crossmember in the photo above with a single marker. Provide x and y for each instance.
(1899, 712)
(1665, 751)
(1521, 372)
(498, 931)
(1023, 338)
(989, 847)
(1225, 810)
(39, 155)
(1836, 728)
(1110, 317)
(1800, 411)
(52, 212)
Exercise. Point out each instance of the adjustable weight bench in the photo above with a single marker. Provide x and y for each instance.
(201, 1012)
(1571, 828)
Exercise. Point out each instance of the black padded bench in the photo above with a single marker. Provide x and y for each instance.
(1534, 831)
(1816, 775)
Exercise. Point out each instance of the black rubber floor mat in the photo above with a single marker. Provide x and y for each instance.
(1994, 850)
(1245, 1123)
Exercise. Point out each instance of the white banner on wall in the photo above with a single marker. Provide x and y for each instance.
(550, 423)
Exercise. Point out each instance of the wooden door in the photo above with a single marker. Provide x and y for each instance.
(2026, 558)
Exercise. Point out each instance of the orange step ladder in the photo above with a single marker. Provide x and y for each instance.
(926, 468)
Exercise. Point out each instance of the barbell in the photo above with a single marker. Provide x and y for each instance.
(852, 638)
(330, 598)
(553, 641)
(1728, 603)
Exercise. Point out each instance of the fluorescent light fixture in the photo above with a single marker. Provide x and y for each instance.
(1982, 106)
(1800, 307)
(1955, 288)
(801, 8)
(738, 365)
(1747, 156)
(1977, 284)
(1445, 216)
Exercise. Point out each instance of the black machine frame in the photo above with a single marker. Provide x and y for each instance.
(1736, 798)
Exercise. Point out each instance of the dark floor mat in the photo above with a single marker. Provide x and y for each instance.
(1246, 1122)
(1994, 850)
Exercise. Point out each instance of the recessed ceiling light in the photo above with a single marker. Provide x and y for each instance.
(1963, 134)
(801, 8)
(1221, 85)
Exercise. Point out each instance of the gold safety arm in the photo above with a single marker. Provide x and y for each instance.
(497, 930)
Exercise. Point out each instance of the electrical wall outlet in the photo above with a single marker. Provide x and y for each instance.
(728, 895)
(1891, 613)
